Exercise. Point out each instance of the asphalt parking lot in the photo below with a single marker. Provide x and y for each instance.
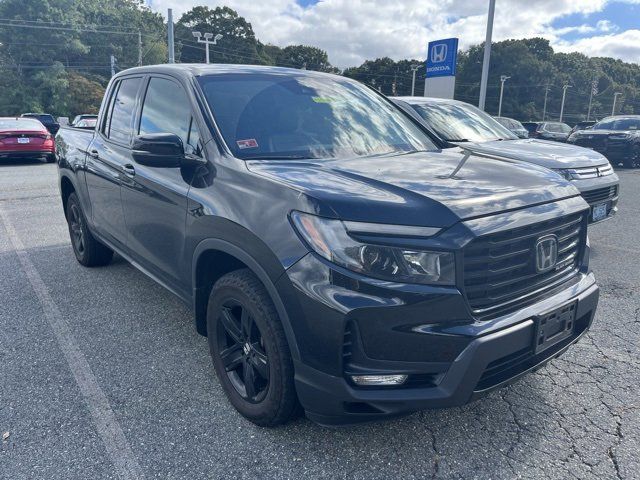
(102, 375)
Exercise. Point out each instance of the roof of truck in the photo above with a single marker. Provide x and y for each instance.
(201, 69)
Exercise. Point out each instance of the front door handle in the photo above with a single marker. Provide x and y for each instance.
(129, 169)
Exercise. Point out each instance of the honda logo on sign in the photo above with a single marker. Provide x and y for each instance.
(439, 53)
(546, 253)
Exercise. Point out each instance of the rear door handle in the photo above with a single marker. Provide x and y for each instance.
(129, 169)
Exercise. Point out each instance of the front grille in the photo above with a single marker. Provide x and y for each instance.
(600, 194)
(584, 173)
(499, 268)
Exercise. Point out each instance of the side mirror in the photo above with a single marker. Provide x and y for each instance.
(161, 150)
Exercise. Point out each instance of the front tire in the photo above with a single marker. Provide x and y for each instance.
(249, 350)
(88, 251)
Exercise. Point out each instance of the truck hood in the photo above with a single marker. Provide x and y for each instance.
(541, 152)
(418, 188)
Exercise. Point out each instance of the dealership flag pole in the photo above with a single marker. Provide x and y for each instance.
(487, 55)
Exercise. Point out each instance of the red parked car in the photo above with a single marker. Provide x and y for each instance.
(25, 138)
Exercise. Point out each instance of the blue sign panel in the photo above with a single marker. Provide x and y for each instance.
(441, 58)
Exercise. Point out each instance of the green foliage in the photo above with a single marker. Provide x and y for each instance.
(47, 39)
(388, 76)
(55, 57)
(303, 56)
(237, 45)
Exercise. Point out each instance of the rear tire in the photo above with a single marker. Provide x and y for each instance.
(249, 350)
(50, 158)
(88, 251)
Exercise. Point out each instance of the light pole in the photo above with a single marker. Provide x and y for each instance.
(487, 55)
(544, 108)
(564, 94)
(414, 69)
(615, 97)
(594, 91)
(207, 41)
(503, 78)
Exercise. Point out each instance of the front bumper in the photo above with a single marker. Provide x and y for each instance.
(496, 352)
(599, 191)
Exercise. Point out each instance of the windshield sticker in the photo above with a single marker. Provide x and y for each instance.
(248, 143)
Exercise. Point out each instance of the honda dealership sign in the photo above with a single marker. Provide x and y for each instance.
(441, 68)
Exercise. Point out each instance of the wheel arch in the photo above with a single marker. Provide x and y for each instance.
(213, 258)
(67, 187)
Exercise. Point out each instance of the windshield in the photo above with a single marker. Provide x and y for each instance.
(22, 124)
(628, 123)
(306, 116)
(461, 122)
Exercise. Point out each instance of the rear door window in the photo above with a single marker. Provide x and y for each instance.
(121, 125)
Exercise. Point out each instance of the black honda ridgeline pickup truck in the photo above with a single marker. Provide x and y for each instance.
(337, 258)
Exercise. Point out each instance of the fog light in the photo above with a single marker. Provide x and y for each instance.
(370, 380)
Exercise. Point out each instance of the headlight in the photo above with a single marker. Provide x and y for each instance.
(330, 239)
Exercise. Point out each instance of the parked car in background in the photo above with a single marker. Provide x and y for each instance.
(89, 123)
(84, 116)
(334, 254)
(617, 138)
(25, 138)
(556, 131)
(585, 125)
(465, 125)
(47, 120)
(514, 126)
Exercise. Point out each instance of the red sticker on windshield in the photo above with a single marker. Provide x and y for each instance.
(248, 143)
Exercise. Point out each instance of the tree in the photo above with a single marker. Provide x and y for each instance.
(237, 45)
(302, 56)
(388, 76)
(84, 94)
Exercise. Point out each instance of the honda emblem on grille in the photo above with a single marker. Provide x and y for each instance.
(546, 253)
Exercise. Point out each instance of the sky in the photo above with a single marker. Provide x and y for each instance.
(352, 31)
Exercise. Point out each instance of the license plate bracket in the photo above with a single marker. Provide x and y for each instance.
(599, 212)
(554, 327)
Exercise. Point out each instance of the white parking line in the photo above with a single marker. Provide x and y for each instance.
(107, 425)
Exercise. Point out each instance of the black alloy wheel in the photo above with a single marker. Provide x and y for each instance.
(76, 228)
(242, 351)
(249, 349)
(87, 249)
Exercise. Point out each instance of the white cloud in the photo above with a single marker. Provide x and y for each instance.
(352, 31)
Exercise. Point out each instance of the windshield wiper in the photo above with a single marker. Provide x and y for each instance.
(456, 140)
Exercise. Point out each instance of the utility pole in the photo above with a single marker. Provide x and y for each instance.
(113, 65)
(139, 49)
(615, 97)
(172, 57)
(207, 41)
(546, 94)
(503, 78)
(594, 91)
(487, 55)
(564, 94)
(414, 69)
